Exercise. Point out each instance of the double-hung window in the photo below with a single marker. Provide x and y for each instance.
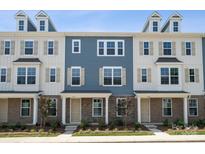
(3, 75)
(120, 48)
(31, 75)
(21, 25)
(101, 47)
(52, 75)
(144, 74)
(112, 76)
(42, 25)
(169, 76)
(193, 107)
(21, 75)
(28, 47)
(50, 47)
(191, 75)
(26, 75)
(76, 46)
(167, 48)
(25, 107)
(175, 26)
(7, 47)
(111, 48)
(52, 107)
(121, 107)
(155, 26)
(75, 72)
(167, 107)
(174, 75)
(188, 48)
(97, 107)
(164, 75)
(146, 48)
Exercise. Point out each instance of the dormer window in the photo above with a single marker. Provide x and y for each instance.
(21, 25)
(175, 26)
(42, 25)
(155, 26)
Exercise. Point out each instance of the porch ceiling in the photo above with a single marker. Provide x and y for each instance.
(19, 94)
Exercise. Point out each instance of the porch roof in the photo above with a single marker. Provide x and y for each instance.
(18, 94)
(27, 60)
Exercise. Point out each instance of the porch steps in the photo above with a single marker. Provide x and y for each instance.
(71, 127)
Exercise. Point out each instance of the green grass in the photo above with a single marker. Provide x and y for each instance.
(112, 133)
(186, 132)
(28, 134)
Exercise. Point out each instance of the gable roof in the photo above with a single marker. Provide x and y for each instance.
(168, 60)
(41, 14)
(21, 14)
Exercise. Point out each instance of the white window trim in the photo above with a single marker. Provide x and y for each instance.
(146, 74)
(116, 48)
(50, 74)
(171, 49)
(170, 76)
(194, 75)
(197, 107)
(163, 115)
(186, 48)
(75, 67)
(25, 48)
(155, 26)
(26, 67)
(148, 47)
(6, 74)
(5, 47)
(117, 115)
(175, 26)
(24, 25)
(40, 25)
(22, 107)
(112, 67)
(56, 100)
(79, 41)
(48, 47)
(93, 108)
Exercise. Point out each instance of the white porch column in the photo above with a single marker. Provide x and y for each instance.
(139, 109)
(185, 111)
(63, 110)
(35, 110)
(106, 111)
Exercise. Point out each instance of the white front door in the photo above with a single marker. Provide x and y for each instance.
(75, 111)
(3, 110)
(145, 110)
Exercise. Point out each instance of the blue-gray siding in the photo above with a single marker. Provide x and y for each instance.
(89, 60)
(203, 47)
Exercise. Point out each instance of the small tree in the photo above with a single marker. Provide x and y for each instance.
(44, 111)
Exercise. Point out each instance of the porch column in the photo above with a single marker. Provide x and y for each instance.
(35, 110)
(139, 109)
(106, 111)
(185, 111)
(63, 110)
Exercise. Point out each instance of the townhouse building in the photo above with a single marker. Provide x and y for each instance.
(151, 76)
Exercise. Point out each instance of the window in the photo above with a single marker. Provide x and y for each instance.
(7, 47)
(50, 47)
(76, 76)
(112, 76)
(31, 76)
(155, 26)
(97, 107)
(144, 75)
(121, 107)
(52, 75)
(175, 26)
(167, 106)
(42, 25)
(28, 47)
(191, 75)
(167, 48)
(76, 45)
(110, 47)
(188, 48)
(21, 25)
(25, 107)
(3, 75)
(146, 48)
(26, 75)
(193, 107)
(52, 107)
(169, 76)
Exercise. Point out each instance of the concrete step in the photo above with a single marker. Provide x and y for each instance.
(71, 128)
(150, 126)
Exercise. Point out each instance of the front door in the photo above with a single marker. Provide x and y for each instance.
(145, 110)
(3, 110)
(75, 110)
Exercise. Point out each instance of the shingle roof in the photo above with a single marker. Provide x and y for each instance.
(26, 60)
(156, 91)
(19, 92)
(86, 91)
(168, 60)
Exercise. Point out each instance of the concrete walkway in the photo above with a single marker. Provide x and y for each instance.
(155, 130)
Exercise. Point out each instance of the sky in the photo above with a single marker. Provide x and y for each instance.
(105, 21)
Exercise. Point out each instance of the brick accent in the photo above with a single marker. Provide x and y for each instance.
(68, 110)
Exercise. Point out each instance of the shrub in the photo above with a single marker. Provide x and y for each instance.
(18, 125)
(4, 126)
(12, 127)
(200, 123)
(84, 124)
(48, 124)
(41, 130)
(50, 131)
(179, 123)
(33, 130)
(118, 122)
(101, 124)
(112, 125)
(167, 123)
(137, 126)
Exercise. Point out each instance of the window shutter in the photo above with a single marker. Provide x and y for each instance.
(12, 47)
(193, 46)
(56, 47)
(58, 75)
(196, 71)
(151, 48)
(22, 50)
(138, 75)
(174, 48)
(82, 78)
(149, 78)
(45, 47)
(124, 76)
(141, 48)
(160, 48)
(8, 75)
(101, 76)
(68, 76)
(183, 48)
(35, 48)
(2, 48)
(47, 75)
(186, 74)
